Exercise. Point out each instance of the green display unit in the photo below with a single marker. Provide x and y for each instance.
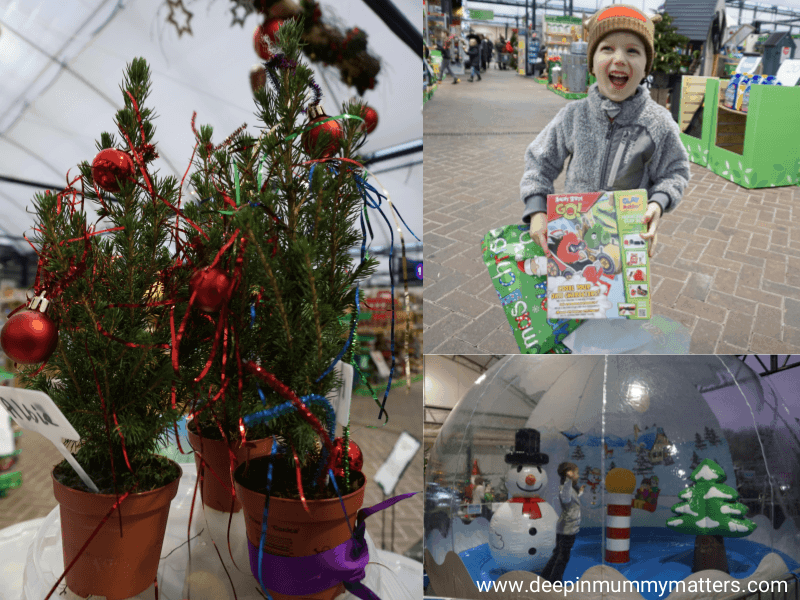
(695, 93)
(758, 148)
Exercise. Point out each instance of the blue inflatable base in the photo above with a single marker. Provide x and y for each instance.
(657, 554)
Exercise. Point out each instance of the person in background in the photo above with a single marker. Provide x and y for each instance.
(478, 491)
(500, 47)
(484, 52)
(474, 52)
(444, 48)
(569, 522)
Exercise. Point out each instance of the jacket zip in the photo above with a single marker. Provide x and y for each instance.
(609, 135)
(618, 158)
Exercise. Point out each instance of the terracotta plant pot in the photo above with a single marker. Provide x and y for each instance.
(215, 453)
(115, 565)
(291, 531)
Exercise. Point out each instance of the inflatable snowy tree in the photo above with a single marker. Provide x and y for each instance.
(709, 510)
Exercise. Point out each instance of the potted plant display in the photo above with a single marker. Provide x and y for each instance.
(96, 339)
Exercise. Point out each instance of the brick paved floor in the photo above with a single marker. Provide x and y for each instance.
(35, 498)
(728, 259)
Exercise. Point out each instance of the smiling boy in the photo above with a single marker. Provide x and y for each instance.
(618, 138)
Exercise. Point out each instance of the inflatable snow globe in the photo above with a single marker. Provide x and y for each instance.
(616, 477)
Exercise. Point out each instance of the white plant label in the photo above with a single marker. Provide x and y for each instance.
(340, 398)
(390, 471)
(6, 434)
(380, 363)
(36, 411)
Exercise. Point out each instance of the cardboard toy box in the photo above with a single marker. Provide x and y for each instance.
(599, 268)
(513, 260)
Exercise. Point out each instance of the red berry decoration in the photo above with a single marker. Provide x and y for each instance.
(29, 337)
(354, 452)
(311, 138)
(370, 117)
(263, 35)
(212, 287)
(109, 166)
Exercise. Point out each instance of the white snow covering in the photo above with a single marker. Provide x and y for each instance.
(736, 526)
(675, 522)
(707, 523)
(469, 535)
(715, 492)
(686, 494)
(686, 509)
(786, 539)
(729, 509)
(707, 473)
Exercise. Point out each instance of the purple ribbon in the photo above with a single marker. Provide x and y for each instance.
(292, 575)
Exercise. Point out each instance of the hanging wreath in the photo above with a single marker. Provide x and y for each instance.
(324, 42)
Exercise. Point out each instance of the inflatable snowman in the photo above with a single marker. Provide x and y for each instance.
(523, 530)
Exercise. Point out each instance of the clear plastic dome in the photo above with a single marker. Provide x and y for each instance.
(656, 418)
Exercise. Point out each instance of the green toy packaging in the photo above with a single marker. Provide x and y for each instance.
(517, 265)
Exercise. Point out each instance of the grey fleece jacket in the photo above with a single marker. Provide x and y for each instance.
(569, 521)
(641, 148)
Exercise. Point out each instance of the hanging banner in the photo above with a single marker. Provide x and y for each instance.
(481, 15)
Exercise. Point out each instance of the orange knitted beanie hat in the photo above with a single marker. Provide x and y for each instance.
(621, 17)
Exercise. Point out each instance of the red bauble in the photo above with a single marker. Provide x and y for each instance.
(258, 77)
(370, 117)
(109, 166)
(263, 34)
(354, 452)
(212, 287)
(29, 337)
(311, 137)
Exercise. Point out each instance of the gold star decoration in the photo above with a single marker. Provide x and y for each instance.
(178, 4)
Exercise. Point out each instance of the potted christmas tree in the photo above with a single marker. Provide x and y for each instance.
(709, 511)
(105, 342)
(275, 281)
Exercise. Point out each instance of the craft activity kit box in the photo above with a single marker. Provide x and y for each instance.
(598, 268)
(517, 266)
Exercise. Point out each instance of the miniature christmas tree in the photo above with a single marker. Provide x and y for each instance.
(709, 510)
(578, 454)
(279, 222)
(107, 349)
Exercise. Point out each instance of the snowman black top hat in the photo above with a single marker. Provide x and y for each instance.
(526, 449)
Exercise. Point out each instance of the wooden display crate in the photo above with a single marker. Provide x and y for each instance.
(756, 149)
(693, 95)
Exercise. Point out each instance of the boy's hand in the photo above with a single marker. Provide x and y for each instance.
(652, 218)
(539, 230)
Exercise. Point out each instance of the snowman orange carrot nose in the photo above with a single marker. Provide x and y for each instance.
(530, 480)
